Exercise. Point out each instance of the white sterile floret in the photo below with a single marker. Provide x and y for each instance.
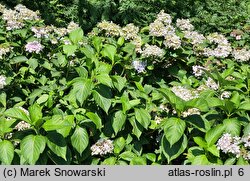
(225, 142)
(241, 55)
(152, 50)
(157, 28)
(102, 147)
(194, 37)
(4, 50)
(184, 24)
(139, 66)
(184, 93)
(72, 26)
(110, 28)
(41, 32)
(225, 95)
(33, 46)
(22, 125)
(2, 81)
(164, 17)
(212, 84)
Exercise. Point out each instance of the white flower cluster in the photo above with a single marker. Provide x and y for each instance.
(210, 83)
(164, 108)
(184, 24)
(22, 125)
(41, 32)
(184, 93)
(4, 50)
(198, 70)
(15, 18)
(130, 31)
(225, 95)
(61, 32)
(195, 37)
(237, 146)
(241, 55)
(162, 27)
(102, 147)
(191, 111)
(223, 48)
(72, 26)
(152, 51)
(33, 46)
(158, 119)
(139, 66)
(2, 81)
(110, 28)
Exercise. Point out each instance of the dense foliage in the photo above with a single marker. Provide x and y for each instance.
(207, 16)
(161, 94)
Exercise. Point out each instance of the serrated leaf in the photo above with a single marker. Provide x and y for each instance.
(105, 79)
(17, 113)
(232, 126)
(172, 152)
(174, 129)
(80, 139)
(69, 49)
(76, 35)
(57, 144)
(55, 123)
(7, 152)
(214, 134)
(118, 121)
(109, 51)
(102, 96)
(35, 113)
(95, 118)
(31, 147)
(143, 117)
(119, 82)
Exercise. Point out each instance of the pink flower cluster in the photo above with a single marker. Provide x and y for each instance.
(33, 46)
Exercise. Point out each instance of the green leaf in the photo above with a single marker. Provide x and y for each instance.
(201, 160)
(127, 155)
(17, 113)
(232, 126)
(31, 147)
(69, 124)
(57, 144)
(242, 161)
(18, 59)
(43, 98)
(200, 141)
(245, 105)
(80, 139)
(214, 102)
(138, 161)
(137, 128)
(3, 97)
(214, 134)
(7, 152)
(76, 35)
(102, 96)
(69, 49)
(172, 152)
(5, 125)
(119, 82)
(109, 51)
(81, 90)
(150, 156)
(109, 161)
(95, 118)
(119, 144)
(174, 129)
(97, 42)
(230, 161)
(105, 79)
(55, 123)
(143, 117)
(118, 121)
(213, 149)
(35, 113)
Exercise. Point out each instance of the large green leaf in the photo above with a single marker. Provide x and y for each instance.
(232, 126)
(102, 96)
(3, 97)
(119, 144)
(109, 51)
(68, 125)
(97, 42)
(55, 123)
(214, 134)
(137, 127)
(138, 161)
(35, 113)
(5, 125)
(17, 113)
(31, 147)
(201, 160)
(104, 79)
(76, 35)
(118, 121)
(174, 129)
(7, 152)
(80, 139)
(143, 117)
(95, 118)
(57, 144)
(81, 90)
(18, 59)
(119, 82)
(69, 49)
(127, 155)
(172, 152)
